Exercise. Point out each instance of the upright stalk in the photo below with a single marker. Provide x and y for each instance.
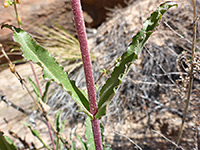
(82, 37)
(190, 74)
(36, 78)
(16, 13)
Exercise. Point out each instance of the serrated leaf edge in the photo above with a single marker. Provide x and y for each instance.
(136, 50)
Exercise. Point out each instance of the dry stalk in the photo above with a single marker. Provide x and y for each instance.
(190, 74)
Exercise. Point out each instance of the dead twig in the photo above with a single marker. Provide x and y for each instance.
(9, 103)
(191, 77)
(181, 36)
(13, 134)
(138, 147)
(170, 141)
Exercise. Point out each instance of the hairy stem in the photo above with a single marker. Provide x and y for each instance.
(190, 74)
(80, 27)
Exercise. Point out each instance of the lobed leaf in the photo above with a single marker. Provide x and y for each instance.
(52, 70)
(124, 62)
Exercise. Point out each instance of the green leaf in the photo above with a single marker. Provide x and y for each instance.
(73, 146)
(123, 63)
(52, 70)
(102, 131)
(45, 95)
(57, 128)
(36, 89)
(37, 92)
(58, 121)
(6, 143)
(105, 145)
(89, 134)
(36, 134)
(84, 146)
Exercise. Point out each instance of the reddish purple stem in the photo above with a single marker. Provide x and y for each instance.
(36, 78)
(39, 87)
(97, 134)
(82, 37)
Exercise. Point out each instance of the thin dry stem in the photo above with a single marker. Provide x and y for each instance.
(190, 75)
(170, 141)
(181, 36)
(22, 81)
(138, 147)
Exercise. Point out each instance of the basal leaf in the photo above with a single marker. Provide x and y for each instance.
(124, 62)
(52, 70)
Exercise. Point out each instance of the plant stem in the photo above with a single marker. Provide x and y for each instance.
(47, 122)
(36, 78)
(190, 74)
(16, 13)
(80, 27)
(82, 37)
(50, 134)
